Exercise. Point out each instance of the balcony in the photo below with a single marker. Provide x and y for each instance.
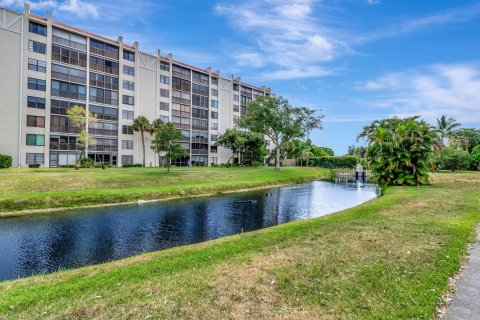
(64, 146)
(199, 151)
(105, 85)
(104, 53)
(54, 128)
(103, 132)
(69, 43)
(199, 140)
(69, 60)
(101, 68)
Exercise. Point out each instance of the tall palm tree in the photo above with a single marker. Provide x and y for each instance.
(142, 125)
(445, 128)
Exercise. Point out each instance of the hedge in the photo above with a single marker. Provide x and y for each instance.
(5, 161)
(335, 161)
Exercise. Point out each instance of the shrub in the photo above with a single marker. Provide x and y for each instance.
(107, 164)
(256, 164)
(335, 161)
(67, 166)
(132, 165)
(34, 165)
(86, 163)
(475, 157)
(399, 150)
(454, 159)
(5, 161)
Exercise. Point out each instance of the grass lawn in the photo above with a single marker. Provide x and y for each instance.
(387, 258)
(22, 189)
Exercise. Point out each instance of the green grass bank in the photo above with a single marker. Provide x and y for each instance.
(389, 258)
(25, 189)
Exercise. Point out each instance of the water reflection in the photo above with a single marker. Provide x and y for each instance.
(46, 243)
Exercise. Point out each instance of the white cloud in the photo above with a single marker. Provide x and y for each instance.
(79, 8)
(287, 37)
(373, 2)
(451, 89)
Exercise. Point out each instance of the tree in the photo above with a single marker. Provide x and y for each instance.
(142, 125)
(454, 159)
(249, 147)
(475, 154)
(466, 139)
(399, 150)
(165, 140)
(81, 118)
(356, 151)
(275, 118)
(445, 127)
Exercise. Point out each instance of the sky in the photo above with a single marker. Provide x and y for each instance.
(354, 61)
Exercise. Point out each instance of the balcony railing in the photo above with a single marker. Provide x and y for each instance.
(105, 85)
(105, 53)
(54, 128)
(64, 146)
(104, 100)
(182, 126)
(199, 151)
(200, 140)
(102, 68)
(103, 132)
(69, 43)
(181, 75)
(103, 148)
(69, 60)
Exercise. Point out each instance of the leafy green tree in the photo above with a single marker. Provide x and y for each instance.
(445, 128)
(275, 118)
(142, 125)
(475, 154)
(399, 150)
(466, 139)
(249, 147)
(356, 151)
(165, 140)
(455, 159)
(80, 118)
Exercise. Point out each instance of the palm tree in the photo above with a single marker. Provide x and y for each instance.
(142, 125)
(445, 128)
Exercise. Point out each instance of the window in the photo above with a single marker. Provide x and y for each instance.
(68, 90)
(35, 140)
(164, 79)
(38, 47)
(215, 81)
(214, 115)
(127, 115)
(104, 49)
(199, 101)
(103, 128)
(200, 77)
(199, 89)
(68, 39)
(69, 74)
(267, 142)
(36, 102)
(165, 106)
(128, 85)
(127, 159)
(180, 97)
(103, 96)
(214, 149)
(129, 71)
(214, 92)
(69, 56)
(128, 100)
(37, 65)
(236, 108)
(37, 28)
(127, 130)
(165, 66)
(164, 93)
(103, 81)
(213, 137)
(128, 55)
(165, 118)
(103, 65)
(200, 124)
(104, 113)
(35, 158)
(35, 121)
(36, 84)
(214, 104)
(127, 144)
(214, 126)
(235, 87)
(236, 98)
(235, 119)
(61, 107)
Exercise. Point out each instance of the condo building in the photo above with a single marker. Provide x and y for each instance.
(47, 67)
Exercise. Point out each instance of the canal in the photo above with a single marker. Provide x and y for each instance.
(46, 243)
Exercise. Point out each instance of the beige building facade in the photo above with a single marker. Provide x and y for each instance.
(47, 67)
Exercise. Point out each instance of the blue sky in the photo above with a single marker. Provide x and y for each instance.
(357, 60)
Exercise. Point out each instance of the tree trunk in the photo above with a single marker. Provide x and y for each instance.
(169, 162)
(143, 144)
(277, 159)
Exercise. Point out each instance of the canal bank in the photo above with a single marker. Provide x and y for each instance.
(59, 190)
(387, 258)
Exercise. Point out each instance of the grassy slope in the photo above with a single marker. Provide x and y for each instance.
(66, 188)
(387, 258)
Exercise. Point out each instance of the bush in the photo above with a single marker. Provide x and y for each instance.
(256, 164)
(475, 155)
(34, 165)
(132, 165)
(5, 161)
(107, 164)
(455, 159)
(335, 161)
(67, 166)
(86, 163)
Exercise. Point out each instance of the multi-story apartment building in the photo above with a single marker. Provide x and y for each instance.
(47, 67)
